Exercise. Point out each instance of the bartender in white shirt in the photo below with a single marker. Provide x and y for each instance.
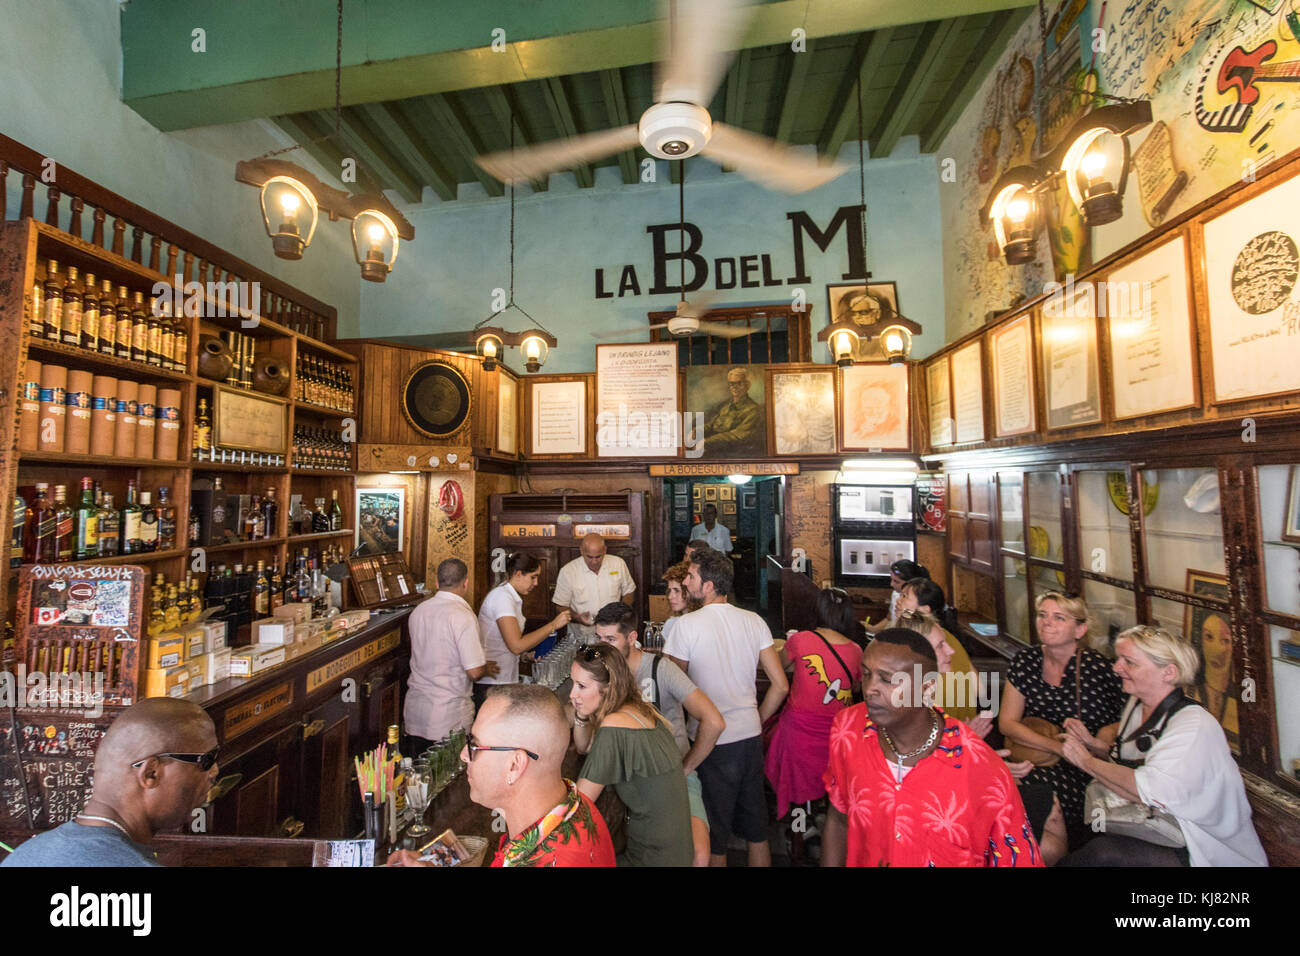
(718, 536)
(588, 583)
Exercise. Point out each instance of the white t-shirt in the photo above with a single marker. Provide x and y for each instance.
(576, 586)
(719, 538)
(445, 644)
(1190, 773)
(721, 643)
(502, 601)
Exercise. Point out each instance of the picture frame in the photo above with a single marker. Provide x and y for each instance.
(1291, 520)
(1014, 397)
(863, 305)
(728, 507)
(682, 498)
(380, 519)
(507, 414)
(802, 421)
(697, 492)
(733, 400)
(967, 367)
(249, 421)
(938, 392)
(637, 412)
(710, 492)
(726, 492)
(1209, 630)
(557, 411)
(1067, 336)
(748, 498)
(874, 408)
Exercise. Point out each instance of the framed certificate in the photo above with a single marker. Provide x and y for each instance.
(1068, 333)
(939, 401)
(507, 414)
(1013, 378)
(968, 393)
(559, 417)
(636, 400)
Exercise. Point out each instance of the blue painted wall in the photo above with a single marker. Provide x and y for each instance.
(444, 279)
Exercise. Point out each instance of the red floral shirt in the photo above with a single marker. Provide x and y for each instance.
(573, 833)
(958, 806)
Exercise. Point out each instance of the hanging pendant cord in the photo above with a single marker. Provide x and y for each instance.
(862, 190)
(338, 95)
(681, 221)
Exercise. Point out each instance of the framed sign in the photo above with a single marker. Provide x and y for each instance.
(249, 421)
(1068, 333)
(559, 417)
(436, 399)
(1148, 309)
(873, 408)
(1013, 378)
(507, 415)
(939, 401)
(968, 393)
(1252, 277)
(1291, 523)
(381, 519)
(803, 411)
(636, 400)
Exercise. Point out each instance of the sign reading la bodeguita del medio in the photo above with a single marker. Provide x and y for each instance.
(730, 272)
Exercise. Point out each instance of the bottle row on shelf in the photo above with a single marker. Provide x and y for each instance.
(320, 449)
(324, 383)
(78, 311)
(48, 530)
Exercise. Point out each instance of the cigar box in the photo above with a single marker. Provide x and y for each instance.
(198, 668)
(166, 682)
(254, 659)
(273, 630)
(294, 610)
(214, 636)
(350, 620)
(218, 665)
(165, 650)
(196, 641)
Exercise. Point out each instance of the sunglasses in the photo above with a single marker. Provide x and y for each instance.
(473, 748)
(205, 761)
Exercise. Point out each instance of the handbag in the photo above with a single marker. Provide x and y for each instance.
(1039, 725)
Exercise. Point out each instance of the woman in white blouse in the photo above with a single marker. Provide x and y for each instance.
(1168, 753)
(501, 620)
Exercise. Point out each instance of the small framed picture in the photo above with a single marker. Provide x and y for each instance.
(682, 499)
(710, 492)
(749, 499)
(728, 507)
(726, 492)
(1291, 523)
(697, 492)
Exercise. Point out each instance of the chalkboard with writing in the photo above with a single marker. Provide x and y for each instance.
(46, 766)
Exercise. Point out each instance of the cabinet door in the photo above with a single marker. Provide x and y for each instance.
(979, 517)
(383, 701)
(329, 798)
(267, 793)
(958, 530)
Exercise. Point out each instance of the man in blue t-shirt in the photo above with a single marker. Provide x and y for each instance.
(155, 764)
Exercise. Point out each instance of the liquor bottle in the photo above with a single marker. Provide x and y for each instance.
(302, 579)
(125, 324)
(148, 522)
(130, 525)
(140, 330)
(166, 520)
(195, 528)
(153, 330)
(86, 538)
(180, 345)
(277, 587)
(158, 308)
(53, 320)
(253, 526)
(203, 429)
(261, 591)
(17, 531)
(90, 315)
(157, 618)
(63, 527)
(270, 514)
(39, 546)
(320, 521)
(36, 320)
(108, 528)
(107, 319)
(72, 309)
(336, 513)
(171, 609)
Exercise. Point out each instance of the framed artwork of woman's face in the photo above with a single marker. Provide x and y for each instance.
(1210, 632)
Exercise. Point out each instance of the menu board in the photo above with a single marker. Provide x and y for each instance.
(507, 415)
(559, 413)
(46, 766)
(1151, 332)
(1252, 257)
(636, 400)
(1013, 378)
(968, 393)
(1070, 377)
(940, 401)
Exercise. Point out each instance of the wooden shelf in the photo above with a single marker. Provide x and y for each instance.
(235, 466)
(321, 410)
(322, 473)
(95, 361)
(243, 545)
(101, 461)
(319, 346)
(321, 535)
(130, 558)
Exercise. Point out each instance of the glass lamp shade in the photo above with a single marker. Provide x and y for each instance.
(535, 351)
(1096, 168)
(1015, 215)
(488, 347)
(374, 244)
(842, 339)
(286, 205)
(897, 342)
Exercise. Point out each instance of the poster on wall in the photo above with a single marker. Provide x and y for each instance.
(734, 406)
(864, 306)
(1151, 333)
(968, 393)
(1252, 260)
(559, 413)
(381, 519)
(932, 502)
(507, 415)
(803, 412)
(1070, 373)
(636, 400)
(874, 410)
(940, 401)
(1013, 378)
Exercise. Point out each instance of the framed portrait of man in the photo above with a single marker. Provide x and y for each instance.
(873, 408)
(863, 305)
(733, 400)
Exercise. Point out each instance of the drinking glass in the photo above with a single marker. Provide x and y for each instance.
(417, 798)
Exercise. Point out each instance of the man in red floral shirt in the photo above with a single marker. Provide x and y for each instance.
(911, 786)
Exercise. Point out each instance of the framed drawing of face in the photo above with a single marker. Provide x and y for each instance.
(803, 410)
(874, 409)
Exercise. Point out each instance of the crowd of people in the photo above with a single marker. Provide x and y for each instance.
(858, 734)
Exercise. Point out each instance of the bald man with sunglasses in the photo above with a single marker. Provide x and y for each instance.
(156, 763)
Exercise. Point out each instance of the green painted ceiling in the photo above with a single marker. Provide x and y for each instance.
(424, 93)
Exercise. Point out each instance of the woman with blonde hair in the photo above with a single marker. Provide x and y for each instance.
(953, 659)
(1171, 755)
(630, 746)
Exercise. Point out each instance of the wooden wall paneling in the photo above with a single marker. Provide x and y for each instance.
(17, 272)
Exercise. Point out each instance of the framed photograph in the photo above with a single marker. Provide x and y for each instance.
(939, 401)
(863, 306)
(874, 408)
(1291, 523)
(682, 498)
(710, 492)
(748, 498)
(1150, 322)
(1252, 279)
(381, 519)
(734, 406)
(1013, 378)
(728, 507)
(803, 411)
(968, 393)
(727, 492)
(559, 417)
(636, 400)
(507, 415)
(249, 421)
(1068, 333)
(697, 492)
(1217, 685)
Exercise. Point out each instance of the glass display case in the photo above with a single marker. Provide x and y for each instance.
(1184, 531)
(1105, 541)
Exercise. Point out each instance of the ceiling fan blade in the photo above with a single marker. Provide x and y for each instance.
(537, 162)
(701, 303)
(769, 162)
(701, 38)
(463, 339)
(722, 330)
(622, 333)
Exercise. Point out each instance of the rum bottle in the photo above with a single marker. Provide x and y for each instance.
(336, 513)
(166, 520)
(90, 315)
(39, 547)
(36, 319)
(107, 319)
(125, 323)
(131, 541)
(63, 528)
(148, 522)
(203, 428)
(72, 309)
(86, 540)
(108, 528)
(53, 316)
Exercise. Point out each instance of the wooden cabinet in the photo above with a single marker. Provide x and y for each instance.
(267, 799)
(971, 519)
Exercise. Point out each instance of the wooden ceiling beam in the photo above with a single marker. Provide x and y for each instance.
(737, 88)
(935, 43)
(461, 135)
(308, 135)
(557, 102)
(506, 110)
(841, 122)
(372, 153)
(391, 119)
(611, 87)
(793, 90)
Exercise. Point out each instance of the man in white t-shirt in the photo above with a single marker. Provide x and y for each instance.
(721, 647)
(446, 658)
(717, 535)
(588, 583)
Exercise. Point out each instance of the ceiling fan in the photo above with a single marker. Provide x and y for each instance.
(701, 37)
